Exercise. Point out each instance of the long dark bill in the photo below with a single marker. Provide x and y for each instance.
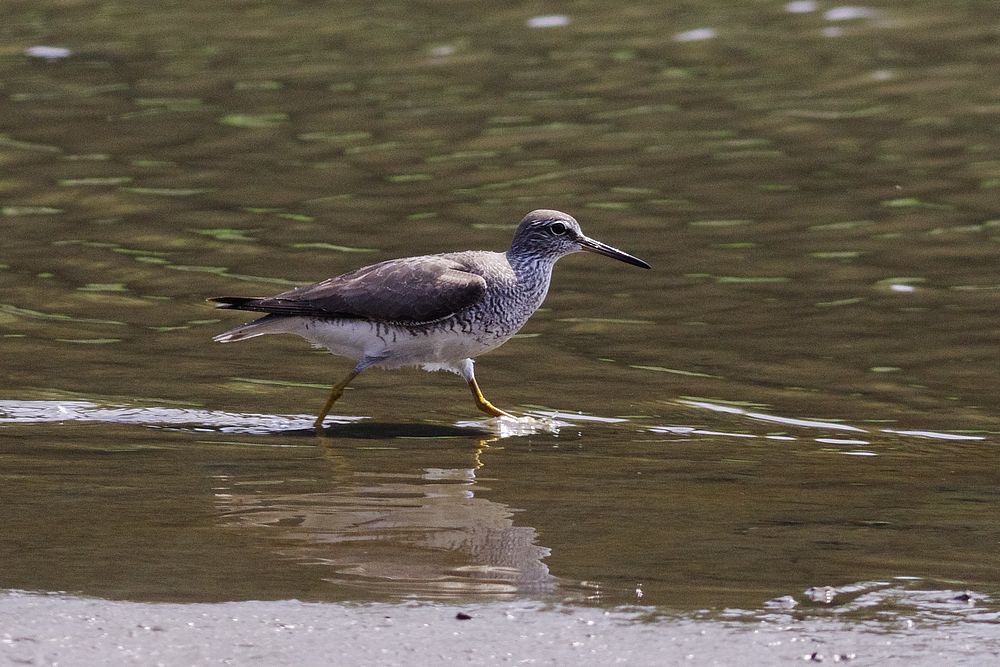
(590, 245)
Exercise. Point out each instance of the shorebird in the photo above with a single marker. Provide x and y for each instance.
(438, 312)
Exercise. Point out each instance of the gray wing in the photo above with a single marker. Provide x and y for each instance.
(412, 289)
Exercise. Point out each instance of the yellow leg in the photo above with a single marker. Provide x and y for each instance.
(335, 393)
(482, 403)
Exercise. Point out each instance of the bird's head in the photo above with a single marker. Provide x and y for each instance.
(548, 235)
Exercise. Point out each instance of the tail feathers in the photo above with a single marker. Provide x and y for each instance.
(236, 302)
(269, 324)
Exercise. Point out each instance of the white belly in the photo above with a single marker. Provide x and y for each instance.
(389, 346)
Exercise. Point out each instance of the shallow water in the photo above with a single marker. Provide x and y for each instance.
(802, 393)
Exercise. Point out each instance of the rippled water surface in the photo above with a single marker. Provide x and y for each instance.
(803, 393)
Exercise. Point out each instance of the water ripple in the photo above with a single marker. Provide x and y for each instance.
(35, 412)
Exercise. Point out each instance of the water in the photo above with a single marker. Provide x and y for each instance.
(802, 393)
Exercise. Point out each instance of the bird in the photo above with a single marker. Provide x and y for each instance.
(438, 312)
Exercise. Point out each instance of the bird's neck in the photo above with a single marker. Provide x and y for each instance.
(533, 273)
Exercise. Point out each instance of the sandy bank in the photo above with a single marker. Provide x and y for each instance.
(49, 630)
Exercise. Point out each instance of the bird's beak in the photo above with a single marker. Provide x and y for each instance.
(590, 245)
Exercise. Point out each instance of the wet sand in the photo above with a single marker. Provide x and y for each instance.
(50, 629)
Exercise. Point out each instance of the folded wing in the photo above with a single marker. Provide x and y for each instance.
(413, 289)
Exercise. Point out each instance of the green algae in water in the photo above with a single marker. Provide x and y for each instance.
(264, 85)
(610, 205)
(94, 181)
(146, 259)
(719, 223)
(538, 178)
(170, 103)
(167, 192)
(254, 121)
(408, 178)
(149, 163)
(137, 251)
(751, 280)
(330, 246)
(913, 202)
(17, 211)
(602, 320)
(840, 302)
(7, 141)
(335, 137)
(626, 190)
(837, 226)
(226, 234)
(224, 272)
(837, 254)
(463, 155)
(39, 315)
(296, 217)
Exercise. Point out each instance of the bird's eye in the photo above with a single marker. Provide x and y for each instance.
(557, 228)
